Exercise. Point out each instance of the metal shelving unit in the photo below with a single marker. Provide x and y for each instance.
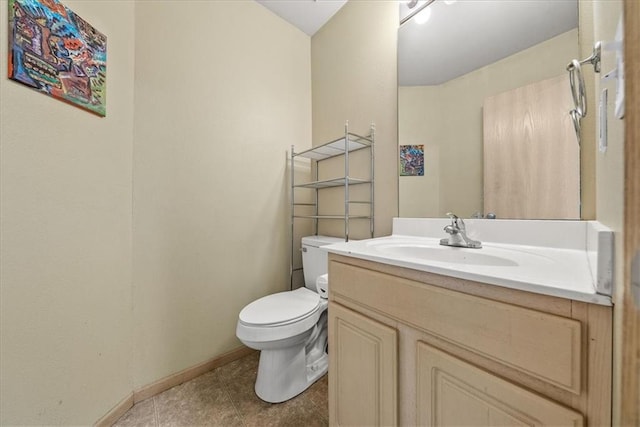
(342, 146)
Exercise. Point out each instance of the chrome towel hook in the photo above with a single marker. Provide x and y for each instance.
(578, 88)
(594, 59)
(575, 117)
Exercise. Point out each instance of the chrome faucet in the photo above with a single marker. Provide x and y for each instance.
(458, 234)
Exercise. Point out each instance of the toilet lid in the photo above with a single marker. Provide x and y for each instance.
(283, 307)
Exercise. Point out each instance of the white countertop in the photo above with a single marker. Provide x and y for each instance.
(566, 259)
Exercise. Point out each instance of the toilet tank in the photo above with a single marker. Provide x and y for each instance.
(314, 260)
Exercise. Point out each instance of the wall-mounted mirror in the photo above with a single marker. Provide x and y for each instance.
(476, 79)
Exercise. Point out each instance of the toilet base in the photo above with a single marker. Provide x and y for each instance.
(284, 373)
(278, 381)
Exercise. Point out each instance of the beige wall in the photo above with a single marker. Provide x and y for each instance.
(218, 105)
(454, 135)
(65, 286)
(420, 118)
(354, 77)
(588, 124)
(609, 177)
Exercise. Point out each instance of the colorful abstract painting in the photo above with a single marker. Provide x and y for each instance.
(56, 52)
(412, 160)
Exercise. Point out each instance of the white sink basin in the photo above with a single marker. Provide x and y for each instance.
(446, 254)
(554, 258)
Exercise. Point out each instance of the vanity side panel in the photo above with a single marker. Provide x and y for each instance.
(580, 312)
(597, 327)
(544, 346)
(600, 331)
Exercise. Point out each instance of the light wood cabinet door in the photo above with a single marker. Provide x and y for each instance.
(451, 392)
(362, 370)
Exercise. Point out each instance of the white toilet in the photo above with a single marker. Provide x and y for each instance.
(290, 329)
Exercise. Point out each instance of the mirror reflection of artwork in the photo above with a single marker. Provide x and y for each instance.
(53, 50)
(412, 160)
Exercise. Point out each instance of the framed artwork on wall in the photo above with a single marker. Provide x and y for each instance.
(54, 51)
(412, 160)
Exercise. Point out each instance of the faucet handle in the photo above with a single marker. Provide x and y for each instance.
(456, 221)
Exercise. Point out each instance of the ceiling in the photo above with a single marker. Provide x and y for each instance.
(307, 15)
(460, 36)
(468, 34)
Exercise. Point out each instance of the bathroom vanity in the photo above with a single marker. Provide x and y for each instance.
(415, 341)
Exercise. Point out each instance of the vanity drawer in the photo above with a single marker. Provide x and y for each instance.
(544, 346)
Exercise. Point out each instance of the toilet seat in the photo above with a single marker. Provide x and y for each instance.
(280, 309)
(268, 319)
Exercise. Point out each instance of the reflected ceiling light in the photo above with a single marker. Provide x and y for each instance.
(418, 9)
(450, 1)
(422, 16)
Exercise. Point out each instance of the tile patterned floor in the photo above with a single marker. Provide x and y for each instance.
(225, 397)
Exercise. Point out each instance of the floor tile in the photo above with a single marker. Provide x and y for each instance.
(299, 411)
(318, 394)
(292, 413)
(142, 414)
(241, 369)
(202, 401)
(226, 397)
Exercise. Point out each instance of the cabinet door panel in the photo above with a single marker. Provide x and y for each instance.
(362, 370)
(451, 392)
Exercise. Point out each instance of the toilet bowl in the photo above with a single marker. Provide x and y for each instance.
(290, 330)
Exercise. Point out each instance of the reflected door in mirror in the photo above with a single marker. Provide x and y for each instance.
(531, 153)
